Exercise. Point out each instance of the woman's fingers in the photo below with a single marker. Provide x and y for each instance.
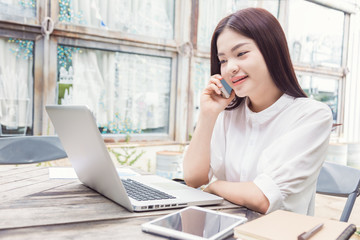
(211, 99)
(212, 87)
(215, 79)
(214, 84)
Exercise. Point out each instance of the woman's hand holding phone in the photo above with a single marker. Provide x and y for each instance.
(216, 96)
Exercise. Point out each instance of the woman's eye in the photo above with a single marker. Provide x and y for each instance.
(222, 61)
(241, 54)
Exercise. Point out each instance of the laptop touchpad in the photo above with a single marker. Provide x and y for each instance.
(170, 185)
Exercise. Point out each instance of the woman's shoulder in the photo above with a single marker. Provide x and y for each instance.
(311, 106)
(310, 103)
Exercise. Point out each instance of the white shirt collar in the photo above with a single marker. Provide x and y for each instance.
(268, 113)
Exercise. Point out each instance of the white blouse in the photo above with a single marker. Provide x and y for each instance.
(281, 149)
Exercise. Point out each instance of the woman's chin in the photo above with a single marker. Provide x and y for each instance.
(240, 94)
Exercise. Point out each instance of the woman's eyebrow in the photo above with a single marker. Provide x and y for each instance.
(238, 45)
(234, 48)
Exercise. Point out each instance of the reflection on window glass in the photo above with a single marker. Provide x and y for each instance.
(22, 8)
(315, 34)
(153, 18)
(212, 11)
(322, 89)
(128, 93)
(16, 86)
(201, 76)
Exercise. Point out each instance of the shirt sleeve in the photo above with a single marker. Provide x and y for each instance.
(291, 164)
(217, 148)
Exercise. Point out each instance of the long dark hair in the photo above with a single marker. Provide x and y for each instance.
(261, 26)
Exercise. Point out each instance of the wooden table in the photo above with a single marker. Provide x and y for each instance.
(33, 206)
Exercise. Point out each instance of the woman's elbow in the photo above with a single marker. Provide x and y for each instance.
(264, 206)
(195, 181)
(258, 202)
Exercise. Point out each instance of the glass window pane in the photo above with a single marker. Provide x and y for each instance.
(16, 86)
(201, 76)
(212, 11)
(323, 89)
(315, 34)
(153, 18)
(270, 5)
(13, 9)
(128, 93)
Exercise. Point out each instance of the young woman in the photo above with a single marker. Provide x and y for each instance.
(267, 142)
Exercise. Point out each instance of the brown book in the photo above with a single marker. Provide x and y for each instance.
(284, 225)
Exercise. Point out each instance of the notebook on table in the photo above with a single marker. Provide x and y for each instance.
(87, 152)
(284, 225)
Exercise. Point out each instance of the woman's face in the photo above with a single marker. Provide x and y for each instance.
(243, 66)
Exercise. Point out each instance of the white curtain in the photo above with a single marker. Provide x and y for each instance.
(126, 92)
(16, 83)
(24, 8)
(145, 17)
(89, 83)
(200, 78)
(212, 11)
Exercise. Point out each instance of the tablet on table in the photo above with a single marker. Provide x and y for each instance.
(194, 223)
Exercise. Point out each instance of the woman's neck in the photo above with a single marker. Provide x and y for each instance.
(258, 104)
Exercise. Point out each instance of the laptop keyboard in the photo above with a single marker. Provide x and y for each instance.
(141, 192)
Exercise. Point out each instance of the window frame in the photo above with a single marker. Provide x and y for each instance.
(129, 48)
(45, 80)
(339, 72)
(33, 33)
(101, 33)
(111, 40)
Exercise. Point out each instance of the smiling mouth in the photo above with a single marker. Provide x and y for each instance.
(240, 79)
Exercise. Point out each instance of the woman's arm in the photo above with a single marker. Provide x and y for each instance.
(197, 158)
(246, 194)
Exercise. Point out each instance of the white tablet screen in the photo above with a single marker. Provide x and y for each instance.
(200, 223)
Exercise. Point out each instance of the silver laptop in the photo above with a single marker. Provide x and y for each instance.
(87, 152)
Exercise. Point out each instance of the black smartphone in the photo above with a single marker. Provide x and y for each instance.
(226, 89)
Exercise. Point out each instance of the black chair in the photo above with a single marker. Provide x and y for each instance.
(341, 181)
(30, 149)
